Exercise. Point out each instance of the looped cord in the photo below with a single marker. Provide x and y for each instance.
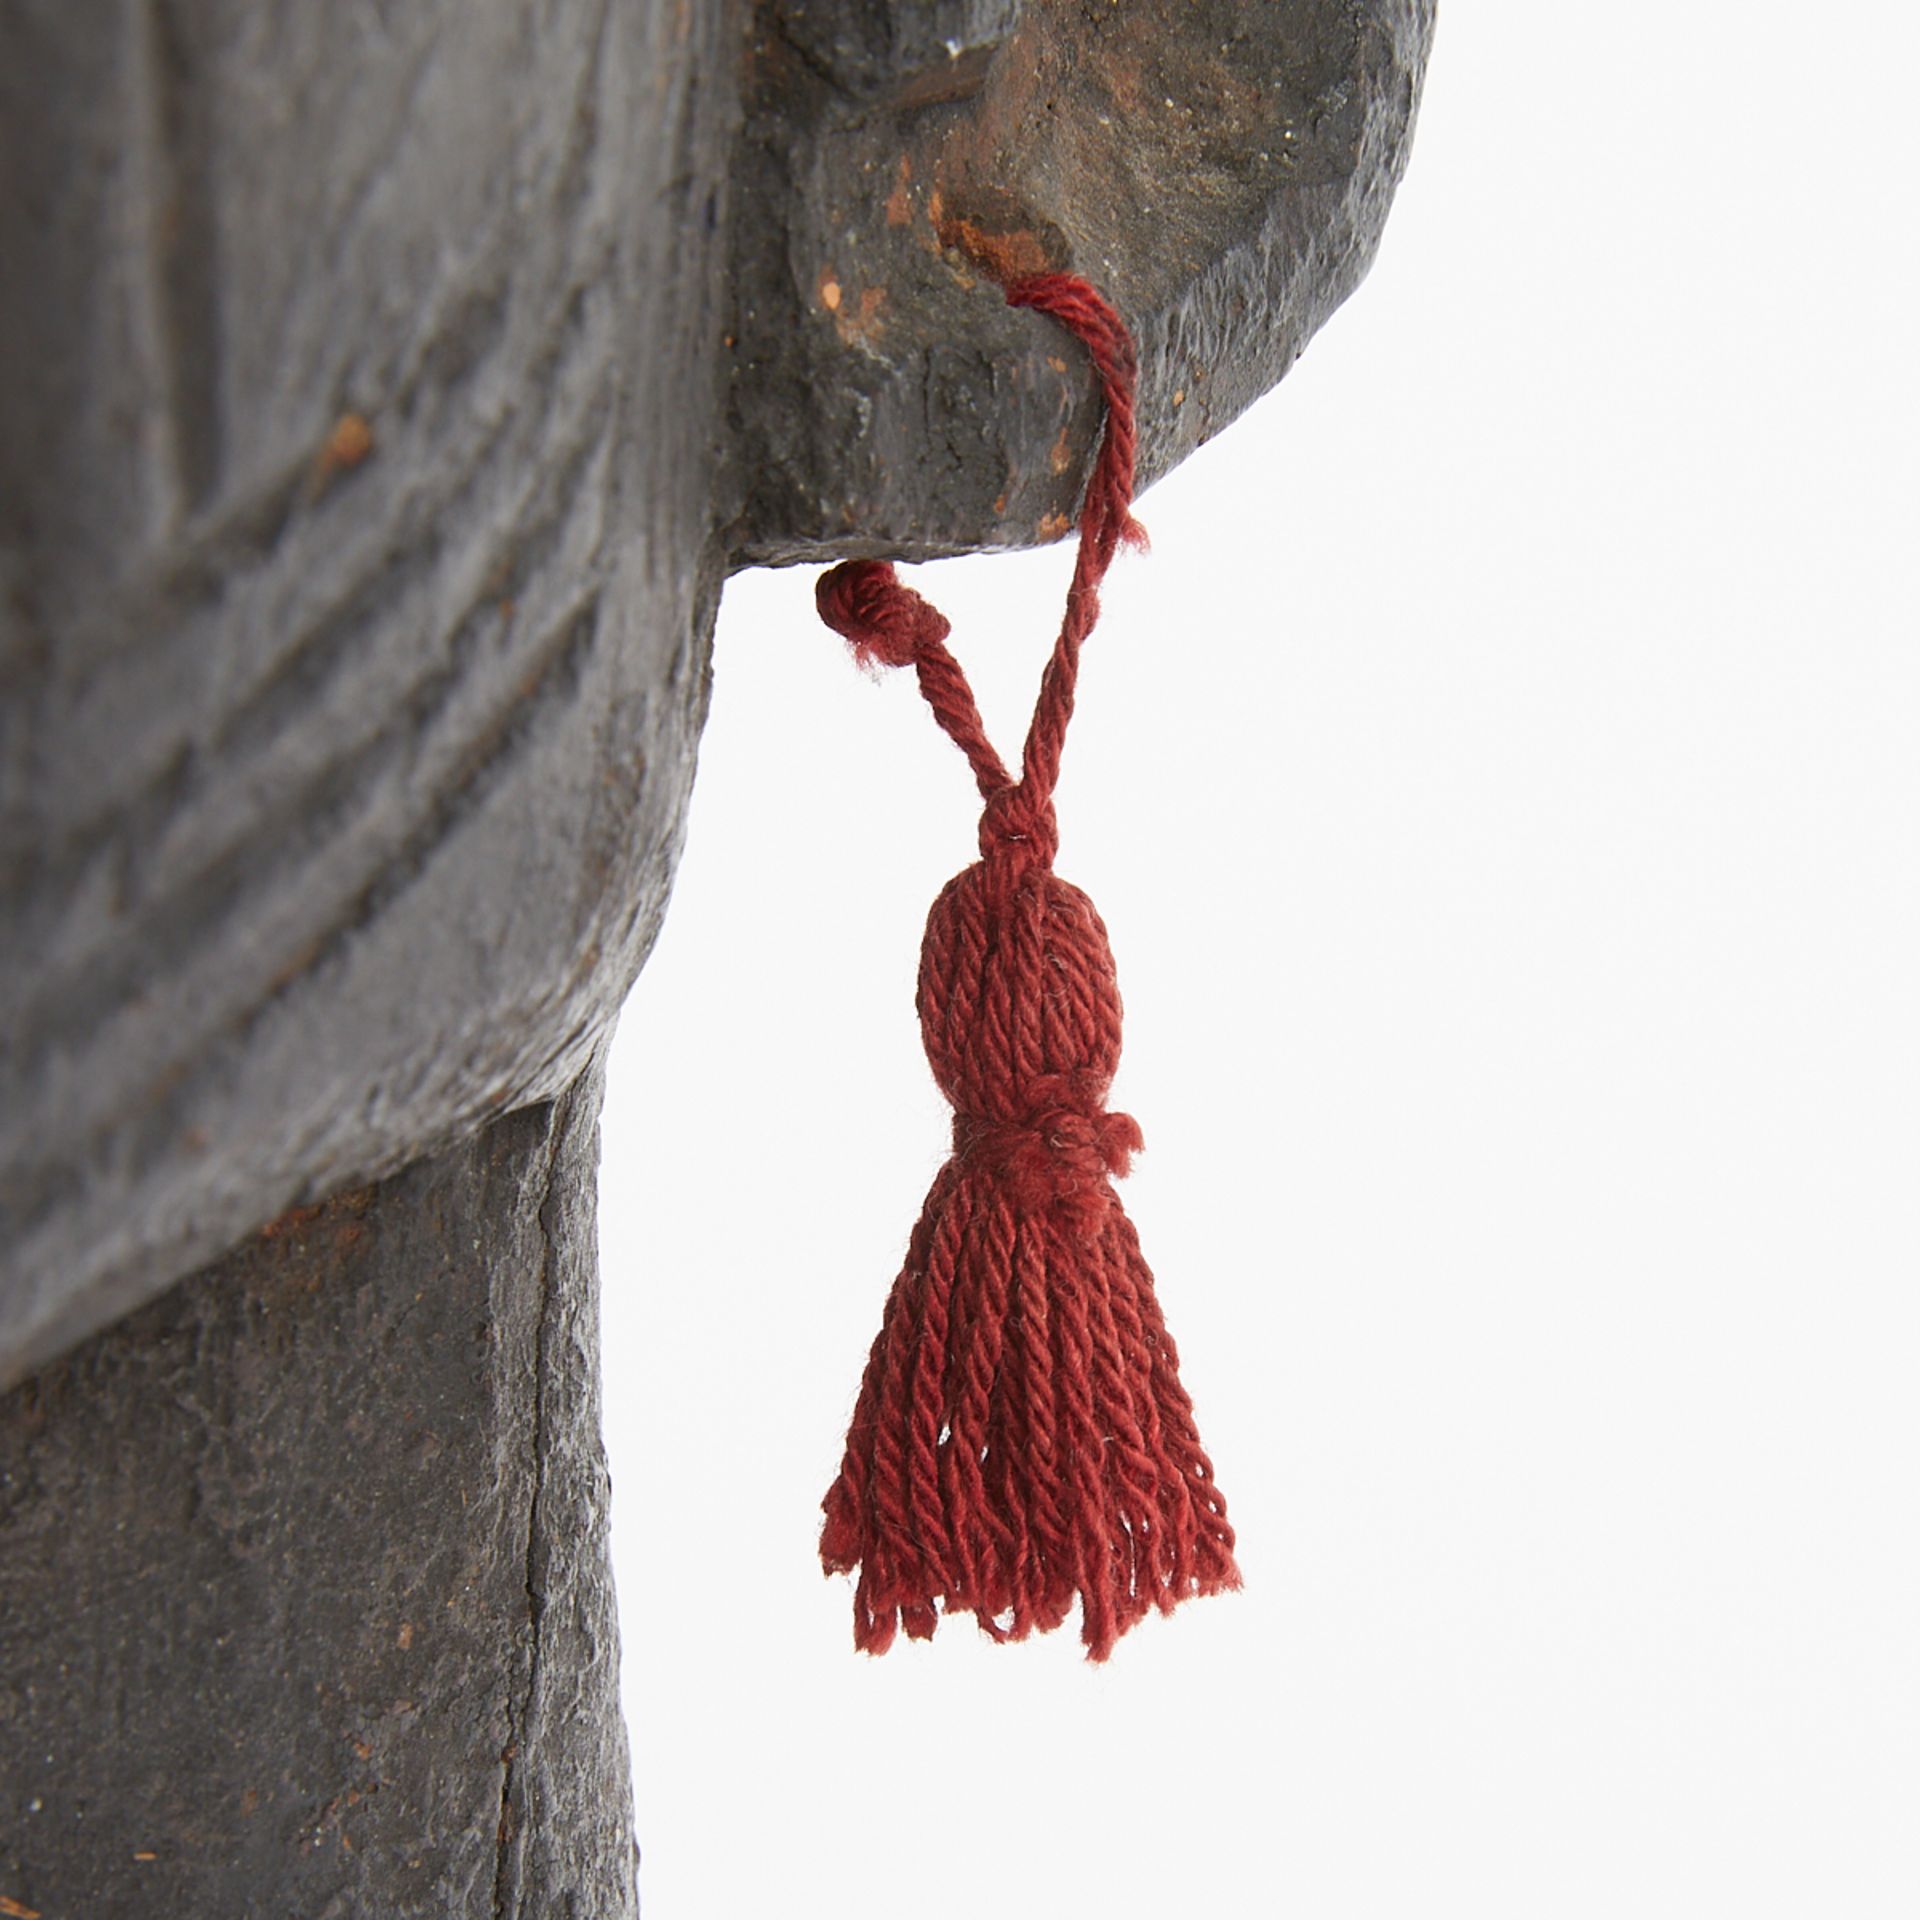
(888, 624)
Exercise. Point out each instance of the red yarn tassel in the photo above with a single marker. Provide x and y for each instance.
(1022, 1438)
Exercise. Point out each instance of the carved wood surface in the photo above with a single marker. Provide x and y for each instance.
(387, 392)
(338, 800)
(304, 1595)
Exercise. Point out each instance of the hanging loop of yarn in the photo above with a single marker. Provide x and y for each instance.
(1022, 1440)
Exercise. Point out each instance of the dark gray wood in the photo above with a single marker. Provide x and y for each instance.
(304, 1591)
(1221, 168)
(338, 805)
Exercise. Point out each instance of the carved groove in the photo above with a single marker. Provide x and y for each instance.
(349, 630)
(188, 253)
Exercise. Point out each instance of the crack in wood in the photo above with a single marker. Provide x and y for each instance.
(185, 251)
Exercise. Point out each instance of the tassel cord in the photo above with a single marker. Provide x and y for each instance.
(1021, 1438)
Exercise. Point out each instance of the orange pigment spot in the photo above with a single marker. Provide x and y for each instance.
(1003, 256)
(900, 201)
(347, 445)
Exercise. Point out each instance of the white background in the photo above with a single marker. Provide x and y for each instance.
(1502, 783)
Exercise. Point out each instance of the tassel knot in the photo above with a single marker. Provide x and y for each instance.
(1061, 1156)
(885, 623)
(1020, 827)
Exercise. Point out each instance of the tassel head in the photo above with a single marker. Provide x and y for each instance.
(1018, 999)
(1020, 1014)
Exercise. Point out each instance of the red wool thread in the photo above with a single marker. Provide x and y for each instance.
(1022, 1438)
